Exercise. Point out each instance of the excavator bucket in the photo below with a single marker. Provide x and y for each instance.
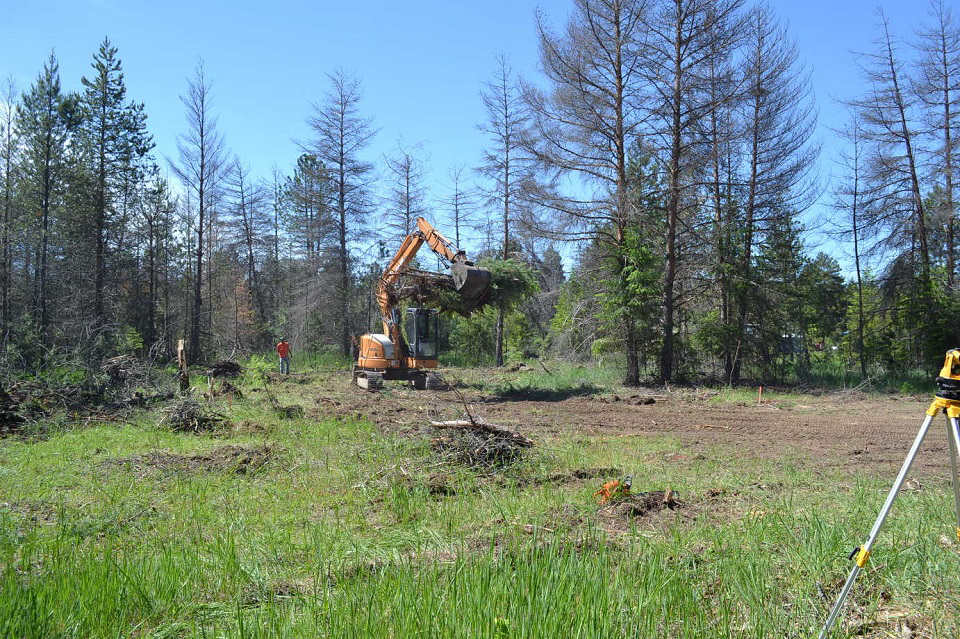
(471, 282)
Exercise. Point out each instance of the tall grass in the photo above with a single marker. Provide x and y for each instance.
(341, 534)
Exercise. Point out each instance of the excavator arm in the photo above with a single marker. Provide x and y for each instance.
(468, 280)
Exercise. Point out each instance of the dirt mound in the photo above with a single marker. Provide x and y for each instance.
(231, 459)
(190, 416)
(625, 509)
(633, 400)
(478, 444)
(225, 368)
(225, 389)
(582, 473)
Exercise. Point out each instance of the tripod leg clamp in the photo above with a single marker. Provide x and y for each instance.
(862, 556)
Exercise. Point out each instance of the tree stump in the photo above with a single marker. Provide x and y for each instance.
(182, 375)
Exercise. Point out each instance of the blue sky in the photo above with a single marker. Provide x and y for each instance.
(421, 63)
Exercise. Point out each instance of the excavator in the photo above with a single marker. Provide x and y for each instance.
(391, 355)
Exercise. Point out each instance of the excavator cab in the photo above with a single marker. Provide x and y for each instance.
(423, 331)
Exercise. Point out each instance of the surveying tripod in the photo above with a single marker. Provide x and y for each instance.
(947, 400)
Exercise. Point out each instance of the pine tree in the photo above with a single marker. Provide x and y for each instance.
(8, 149)
(114, 132)
(43, 120)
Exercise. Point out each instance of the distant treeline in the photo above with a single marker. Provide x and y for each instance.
(668, 142)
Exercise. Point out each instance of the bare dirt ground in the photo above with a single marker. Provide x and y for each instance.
(832, 431)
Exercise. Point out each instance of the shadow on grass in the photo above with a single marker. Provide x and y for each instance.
(511, 393)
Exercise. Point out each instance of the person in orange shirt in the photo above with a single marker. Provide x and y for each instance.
(283, 350)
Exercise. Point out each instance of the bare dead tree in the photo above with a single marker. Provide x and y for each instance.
(340, 135)
(889, 128)
(460, 203)
(407, 198)
(779, 119)
(938, 86)
(851, 198)
(504, 165)
(8, 144)
(583, 129)
(722, 132)
(200, 168)
(682, 37)
(250, 229)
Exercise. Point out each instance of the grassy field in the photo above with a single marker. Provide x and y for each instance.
(327, 525)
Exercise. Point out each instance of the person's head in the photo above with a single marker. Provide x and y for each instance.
(283, 339)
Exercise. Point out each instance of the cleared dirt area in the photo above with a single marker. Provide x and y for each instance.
(832, 430)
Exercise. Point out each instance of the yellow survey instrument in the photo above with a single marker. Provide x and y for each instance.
(946, 401)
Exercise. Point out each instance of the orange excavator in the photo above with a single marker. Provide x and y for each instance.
(391, 355)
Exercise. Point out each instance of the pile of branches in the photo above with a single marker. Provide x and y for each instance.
(11, 420)
(225, 368)
(38, 397)
(224, 389)
(125, 369)
(478, 444)
(189, 415)
(130, 383)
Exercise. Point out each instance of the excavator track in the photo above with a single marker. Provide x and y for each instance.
(367, 380)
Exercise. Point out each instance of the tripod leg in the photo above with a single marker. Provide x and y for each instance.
(953, 441)
(862, 553)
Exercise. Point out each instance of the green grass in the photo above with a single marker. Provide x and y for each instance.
(341, 534)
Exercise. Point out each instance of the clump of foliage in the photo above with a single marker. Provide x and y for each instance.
(472, 335)
(511, 282)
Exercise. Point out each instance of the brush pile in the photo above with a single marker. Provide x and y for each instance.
(191, 416)
(10, 420)
(225, 368)
(123, 369)
(478, 444)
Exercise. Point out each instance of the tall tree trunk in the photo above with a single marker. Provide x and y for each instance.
(746, 265)
(344, 262)
(856, 258)
(506, 245)
(948, 174)
(100, 218)
(44, 228)
(195, 355)
(673, 213)
(7, 236)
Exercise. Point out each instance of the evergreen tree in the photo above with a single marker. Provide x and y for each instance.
(114, 134)
(44, 119)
